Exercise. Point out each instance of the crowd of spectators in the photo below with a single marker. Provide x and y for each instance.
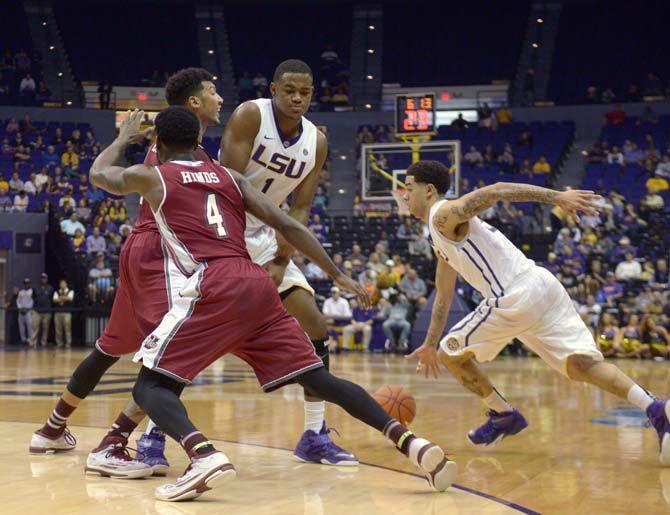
(20, 79)
(615, 268)
(651, 87)
(386, 272)
(31, 310)
(613, 265)
(46, 171)
(331, 84)
(649, 160)
(39, 168)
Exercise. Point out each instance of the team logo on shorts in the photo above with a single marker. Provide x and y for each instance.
(452, 344)
(150, 342)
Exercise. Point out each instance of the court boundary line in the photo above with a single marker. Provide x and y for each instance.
(490, 497)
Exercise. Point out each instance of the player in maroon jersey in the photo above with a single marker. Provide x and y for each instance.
(199, 208)
(140, 303)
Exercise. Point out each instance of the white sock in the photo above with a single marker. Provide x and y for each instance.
(314, 415)
(150, 426)
(496, 402)
(639, 397)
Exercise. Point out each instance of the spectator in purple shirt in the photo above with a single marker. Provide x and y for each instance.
(610, 291)
(574, 258)
(89, 143)
(362, 320)
(110, 225)
(622, 249)
(12, 126)
(7, 148)
(634, 155)
(318, 229)
(95, 243)
(339, 262)
(94, 194)
(356, 254)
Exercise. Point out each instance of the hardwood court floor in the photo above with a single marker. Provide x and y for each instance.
(584, 451)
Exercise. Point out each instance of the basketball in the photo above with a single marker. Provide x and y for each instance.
(397, 402)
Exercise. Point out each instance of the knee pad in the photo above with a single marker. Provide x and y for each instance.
(89, 372)
(148, 379)
(321, 349)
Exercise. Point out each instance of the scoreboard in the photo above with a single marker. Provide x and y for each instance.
(415, 113)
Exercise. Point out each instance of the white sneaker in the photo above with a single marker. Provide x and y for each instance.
(42, 444)
(114, 461)
(439, 470)
(201, 475)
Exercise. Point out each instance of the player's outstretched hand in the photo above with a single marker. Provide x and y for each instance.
(572, 201)
(129, 131)
(348, 284)
(428, 363)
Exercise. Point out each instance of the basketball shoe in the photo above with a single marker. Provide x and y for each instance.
(112, 459)
(43, 444)
(497, 427)
(151, 451)
(319, 448)
(204, 473)
(659, 416)
(439, 470)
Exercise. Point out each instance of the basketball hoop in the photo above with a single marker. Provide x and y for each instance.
(398, 196)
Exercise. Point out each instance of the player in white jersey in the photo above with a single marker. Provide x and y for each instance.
(521, 300)
(281, 153)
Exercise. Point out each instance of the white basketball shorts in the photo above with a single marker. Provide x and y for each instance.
(262, 247)
(538, 311)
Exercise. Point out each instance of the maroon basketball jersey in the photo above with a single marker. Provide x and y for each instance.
(145, 220)
(202, 214)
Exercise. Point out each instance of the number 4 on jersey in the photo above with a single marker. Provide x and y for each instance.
(214, 216)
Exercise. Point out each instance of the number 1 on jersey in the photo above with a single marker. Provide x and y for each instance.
(214, 216)
(267, 185)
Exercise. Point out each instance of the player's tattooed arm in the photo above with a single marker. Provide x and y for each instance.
(445, 280)
(457, 212)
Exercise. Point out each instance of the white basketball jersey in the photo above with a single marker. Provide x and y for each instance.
(485, 258)
(277, 164)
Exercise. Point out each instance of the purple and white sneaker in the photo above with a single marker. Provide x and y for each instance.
(659, 416)
(151, 451)
(497, 427)
(319, 448)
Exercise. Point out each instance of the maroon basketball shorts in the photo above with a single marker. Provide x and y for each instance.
(148, 282)
(230, 306)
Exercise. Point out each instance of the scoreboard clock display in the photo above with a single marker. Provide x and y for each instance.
(415, 114)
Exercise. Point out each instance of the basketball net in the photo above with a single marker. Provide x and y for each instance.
(403, 208)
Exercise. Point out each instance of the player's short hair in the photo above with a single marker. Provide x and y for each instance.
(292, 66)
(184, 84)
(431, 172)
(178, 128)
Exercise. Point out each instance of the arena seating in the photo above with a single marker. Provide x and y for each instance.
(550, 139)
(274, 39)
(615, 52)
(35, 164)
(630, 179)
(15, 36)
(459, 34)
(166, 31)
